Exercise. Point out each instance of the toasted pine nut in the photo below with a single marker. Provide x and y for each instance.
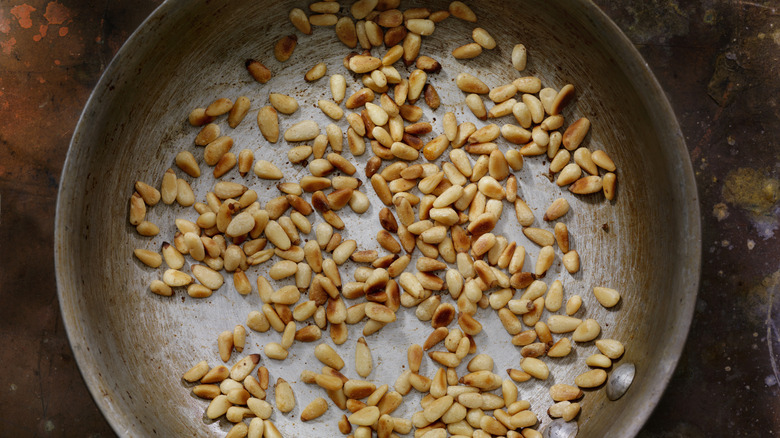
(573, 304)
(575, 133)
(330, 109)
(346, 31)
(563, 392)
(275, 351)
(611, 348)
(361, 8)
(314, 409)
(483, 38)
(258, 71)
(470, 84)
(609, 182)
(588, 330)
(571, 261)
(557, 209)
(607, 297)
(591, 379)
(519, 57)
(284, 396)
(268, 122)
(285, 46)
(301, 22)
(365, 417)
(238, 111)
(601, 159)
(411, 44)
(535, 367)
(460, 10)
(302, 131)
(327, 355)
(582, 157)
(477, 106)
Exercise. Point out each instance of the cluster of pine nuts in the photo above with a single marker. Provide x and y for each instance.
(450, 221)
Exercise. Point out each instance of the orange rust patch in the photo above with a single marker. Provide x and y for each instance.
(8, 46)
(56, 13)
(22, 13)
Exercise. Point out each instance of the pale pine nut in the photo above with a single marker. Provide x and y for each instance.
(283, 393)
(519, 57)
(606, 297)
(327, 355)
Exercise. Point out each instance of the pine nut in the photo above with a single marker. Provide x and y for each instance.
(327, 355)
(261, 408)
(470, 84)
(365, 417)
(609, 182)
(258, 71)
(361, 8)
(519, 57)
(571, 261)
(535, 367)
(315, 409)
(582, 157)
(575, 133)
(460, 10)
(284, 396)
(302, 131)
(411, 44)
(301, 22)
(587, 331)
(285, 47)
(563, 392)
(611, 348)
(557, 209)
(591, 379)
(346, 31)
(607, 297)
(275, 351)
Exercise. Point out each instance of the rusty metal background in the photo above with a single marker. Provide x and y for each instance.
(715, 60)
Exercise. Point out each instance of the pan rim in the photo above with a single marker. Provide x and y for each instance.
(122, 423)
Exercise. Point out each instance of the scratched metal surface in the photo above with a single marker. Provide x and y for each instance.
(715, 61)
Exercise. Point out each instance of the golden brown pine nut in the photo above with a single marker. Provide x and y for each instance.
(285, 47)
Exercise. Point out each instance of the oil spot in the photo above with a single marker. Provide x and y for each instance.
(726, 80)
(720, 211)
(656, 21)
(56, 13)
(22, 13)
(757, 194)
(710, 16)
(8, 46)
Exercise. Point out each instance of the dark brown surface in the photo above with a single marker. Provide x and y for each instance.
(716, 60)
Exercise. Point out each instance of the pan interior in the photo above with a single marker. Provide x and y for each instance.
(133, 346)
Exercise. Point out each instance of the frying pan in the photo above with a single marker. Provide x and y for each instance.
(133, 346)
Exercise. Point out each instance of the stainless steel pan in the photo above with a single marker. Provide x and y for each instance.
(132, 346)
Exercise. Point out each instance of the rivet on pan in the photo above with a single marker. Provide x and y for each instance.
(561, 429)
(620, 380)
